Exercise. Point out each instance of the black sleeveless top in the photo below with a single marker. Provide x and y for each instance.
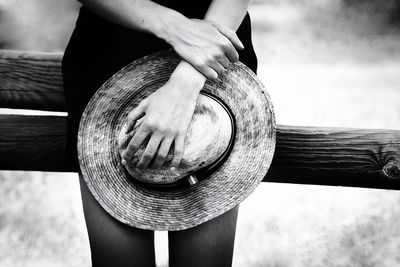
(191, 9)
(98, 48)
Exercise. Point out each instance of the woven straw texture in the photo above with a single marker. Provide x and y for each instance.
(147, 208)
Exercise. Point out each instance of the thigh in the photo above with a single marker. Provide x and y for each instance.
(209, 244)
(113, 243)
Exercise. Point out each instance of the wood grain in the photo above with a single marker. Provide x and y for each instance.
(305, 155)
(31, 81)
(35, 143)
(337, 156)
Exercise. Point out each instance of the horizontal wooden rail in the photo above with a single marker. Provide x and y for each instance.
(306, 155)
(337, 156)
(31, 81)
(328, 156)
(34, 143)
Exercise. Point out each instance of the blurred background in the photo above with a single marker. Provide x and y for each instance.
(325, 63)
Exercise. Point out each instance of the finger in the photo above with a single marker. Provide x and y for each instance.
(224, 61)
(178, 151)
(207, 71)
(211, 74)
(217, 67)
(231, 53)
(150, 151)
(134, 144)
(231, 35)
(162, 152)
(134, 115)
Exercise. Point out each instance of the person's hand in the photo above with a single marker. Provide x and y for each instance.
(208, 46)
(167, 113)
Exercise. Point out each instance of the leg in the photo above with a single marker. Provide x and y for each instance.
(209, 244)
(113, 243)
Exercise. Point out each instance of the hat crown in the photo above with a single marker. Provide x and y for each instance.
(207, 139)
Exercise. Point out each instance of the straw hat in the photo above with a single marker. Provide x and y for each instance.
(228, 147)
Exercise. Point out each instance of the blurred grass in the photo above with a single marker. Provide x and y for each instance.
(41, 220)
(310, 226)
(323, 64)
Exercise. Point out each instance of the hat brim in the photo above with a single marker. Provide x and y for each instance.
(149, 208)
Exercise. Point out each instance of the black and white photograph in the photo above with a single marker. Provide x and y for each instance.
(210, 133)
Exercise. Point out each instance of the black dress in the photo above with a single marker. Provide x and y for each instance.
(98, 49)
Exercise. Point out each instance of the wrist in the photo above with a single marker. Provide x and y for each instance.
(187, 79)
(189, 75)
(166, 26)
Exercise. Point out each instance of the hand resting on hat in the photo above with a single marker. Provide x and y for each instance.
(166, 116)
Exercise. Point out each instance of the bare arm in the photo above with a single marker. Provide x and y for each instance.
(206, 46)
(168, 111)
(140, 15)
(228, 14)
(145, 15)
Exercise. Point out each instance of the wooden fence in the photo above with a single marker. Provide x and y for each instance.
(304, 155)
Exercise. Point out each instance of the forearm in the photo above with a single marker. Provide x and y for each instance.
(229, 13)
(139, 15)
(167, 24)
